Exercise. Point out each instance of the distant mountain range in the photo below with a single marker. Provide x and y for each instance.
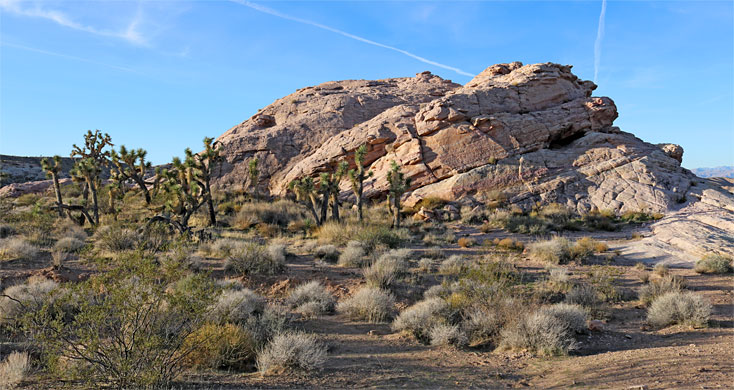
(723, 171)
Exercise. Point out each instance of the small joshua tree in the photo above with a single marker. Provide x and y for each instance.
(205, 162)
(53, 168)
(306, 193)
(398, 186)
(254, 175)
(131, 165)
(329, 189)
(358, 175)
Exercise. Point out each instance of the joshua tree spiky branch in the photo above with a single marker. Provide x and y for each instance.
(306, 194)
(398, 186)
(53, 168)
(94, 148)
(131, 165)
(205, 162)
(358, 175)
(87, 170)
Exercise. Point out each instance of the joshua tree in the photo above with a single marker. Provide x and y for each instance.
(188, 184)
(398, 186)
(306, 194)
(329, 190)
(358, 175)
(131, 165)
(94, 149)
(53, 168)
(87, 170)
(254, 175)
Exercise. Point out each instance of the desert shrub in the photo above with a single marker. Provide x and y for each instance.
(714, 264)
(658, 287)
(557, 214)
(216, 346)
(157, 237)
(274, 320)
(279, 213)
(17, 248)
(573, 316)
(545, 331)
(253, 258)
(14, 369)
(661, 269)
(387, 268)
(353, 255)
(445, 335)
(558, 276)
(554, 251)
(289, 351)
(224, 247)
(66, 228)
(425, 265)
(23, 299)
(59, 257)
(455, 264)
(604, 281)
(314, 295)
(421, 317)
(371, 236)
(509, 244)
(600, 220)
(277, 252)
(69, 244)
(583, 295)
(182, 255)
(116, 238)
(676, 307)
(327, 253)
(236, 306)
(481, 325)
(587, 246)
(465, 242)
(131, 326)
(639, 216)
(434, 252)
(368, 304)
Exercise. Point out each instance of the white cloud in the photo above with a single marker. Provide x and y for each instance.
(273, 12)
(130, 33)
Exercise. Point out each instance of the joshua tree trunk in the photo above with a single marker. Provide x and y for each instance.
(95, 205)
(359, 201)
(310, 204)
(143, 187)
(396, 212)
(335, 206)
(324, 206)
(57, 189)
(210, 204)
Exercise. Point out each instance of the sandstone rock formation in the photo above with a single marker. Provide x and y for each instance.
(534, 132)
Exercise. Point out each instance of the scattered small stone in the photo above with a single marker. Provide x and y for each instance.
(637, 387)
(628, 336)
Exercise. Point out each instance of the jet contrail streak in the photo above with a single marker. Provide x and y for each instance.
(599, 37)
(75, 58)
(273, 12)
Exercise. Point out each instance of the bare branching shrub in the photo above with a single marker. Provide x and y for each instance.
(482, 325)
(17, 248)
(685, 308)
(714, 264)
(465, 242)
(277, 252)
(226, 346)
(69, 244)
(311, 298)
(445, 335)
(573, 316)
(371, 236)
(387, 268)
(353, 255)
(584, 295)
(253, 258)
(558, 276)
(546, 332)
(115, 238)
(289, 351)
(279, 213)
(368, 304)
(59, 257)
(421, 317)
(236, 306)
(275, 319)
(327, 253)
(425, 265)
(223, 247)
(455, 264)
(14, 370)
(661, 269)
(587, 246)
(659, 287)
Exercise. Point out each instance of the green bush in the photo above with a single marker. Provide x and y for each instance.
(225, 346)
(714, 264)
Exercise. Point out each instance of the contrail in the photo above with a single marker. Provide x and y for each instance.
(273, 12)
(75, 58)
(599, 37)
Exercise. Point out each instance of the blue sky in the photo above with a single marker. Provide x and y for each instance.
(164, 74)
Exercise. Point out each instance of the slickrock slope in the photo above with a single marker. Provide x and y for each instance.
(534, 131)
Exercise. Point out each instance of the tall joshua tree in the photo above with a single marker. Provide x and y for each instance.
(205, 163)
(53, 168)
(254, 175)
(87, 170)
(398, 185)
(131, 165)
(358, 175)
(94, 149)
(306, 193)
